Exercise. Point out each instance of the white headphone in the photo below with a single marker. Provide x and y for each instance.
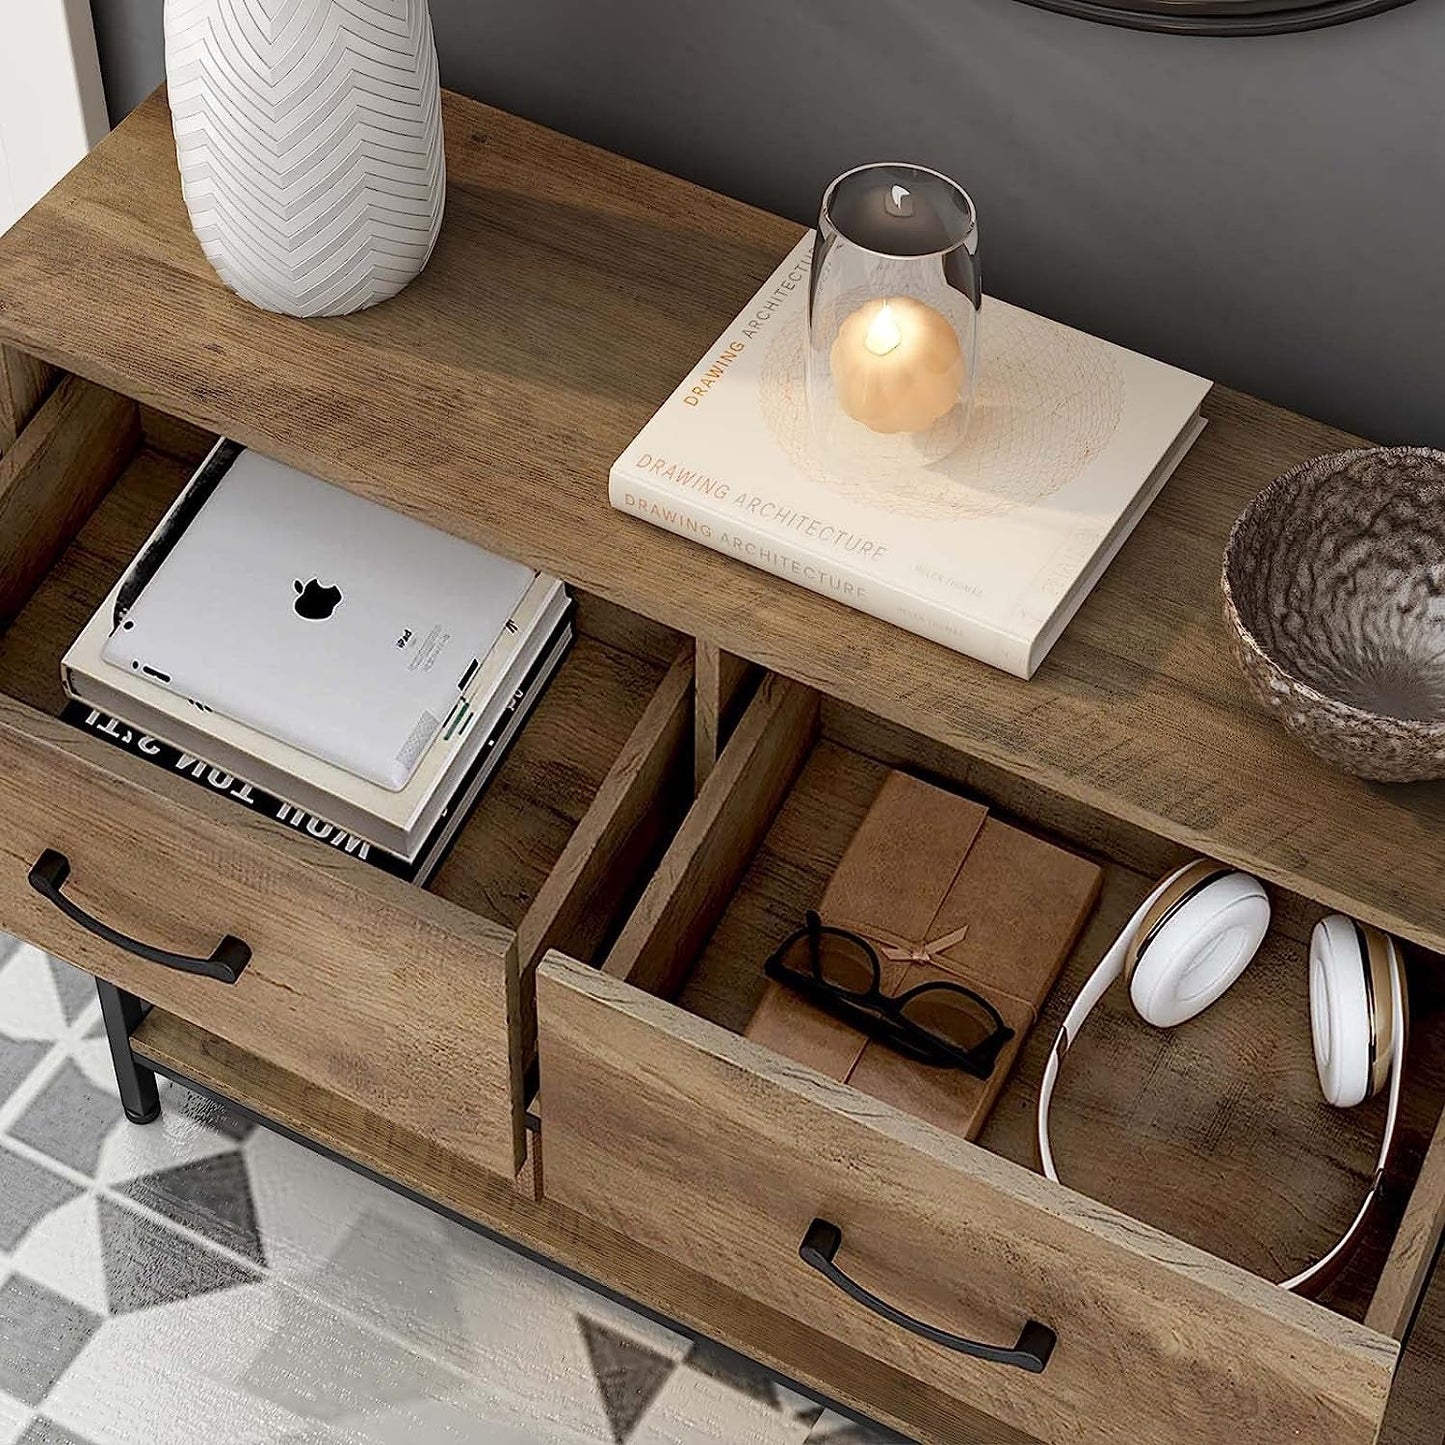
(1194, 935)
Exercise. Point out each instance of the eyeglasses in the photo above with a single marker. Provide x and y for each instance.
(944, 1025)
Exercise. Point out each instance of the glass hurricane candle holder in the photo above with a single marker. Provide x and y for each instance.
(893, 307)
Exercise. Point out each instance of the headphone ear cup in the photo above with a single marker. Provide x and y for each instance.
(1199, 950)
(1340, 1011)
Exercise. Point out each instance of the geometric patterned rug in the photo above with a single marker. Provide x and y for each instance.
(203, 1281)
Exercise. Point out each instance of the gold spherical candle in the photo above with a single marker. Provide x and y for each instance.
(897, 365)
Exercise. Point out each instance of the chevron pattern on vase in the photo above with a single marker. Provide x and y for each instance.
(309, 139)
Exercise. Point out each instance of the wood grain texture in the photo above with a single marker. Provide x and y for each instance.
(1184, 1129)
(1413, 1416)
(603, 751)
(174, 437)
(783, 876)
(798, 849)
(1216, 1132)
(627, 818)
(627, 631)
(722, 679)
(521, 824)
(569, 292)
(1415, 1250)
(503, 432)
(32, 645)
(698, 872)
(1063, 817)
(706, 1147)
(798, 1350)
(548, 783)
(358, 982)
(24, 380)
(589, 892)
(53, 477)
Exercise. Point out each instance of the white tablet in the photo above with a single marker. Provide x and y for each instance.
(320, 618)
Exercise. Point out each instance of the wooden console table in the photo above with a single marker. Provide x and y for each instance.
(546, 1040)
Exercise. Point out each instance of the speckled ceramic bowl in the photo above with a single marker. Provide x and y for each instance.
(1334, 593)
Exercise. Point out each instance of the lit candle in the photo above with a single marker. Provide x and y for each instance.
(897, 365)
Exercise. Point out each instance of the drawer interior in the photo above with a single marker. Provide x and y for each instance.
(584, 799)
(1214, 1132)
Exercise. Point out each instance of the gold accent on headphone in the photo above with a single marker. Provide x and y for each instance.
(1381, 999)
(1190, 881)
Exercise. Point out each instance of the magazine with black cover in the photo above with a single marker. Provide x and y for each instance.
(419, 869)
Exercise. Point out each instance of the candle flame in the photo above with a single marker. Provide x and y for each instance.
(883, 333)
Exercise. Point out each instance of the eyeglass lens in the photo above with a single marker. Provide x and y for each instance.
(951, 1016)
(843, 963)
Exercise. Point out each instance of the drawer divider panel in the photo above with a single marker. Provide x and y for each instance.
(716, 841)
(1412, 1257)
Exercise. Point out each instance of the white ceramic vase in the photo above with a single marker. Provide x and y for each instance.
(309, 138)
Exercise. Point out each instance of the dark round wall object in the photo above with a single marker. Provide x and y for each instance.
(1220, 17)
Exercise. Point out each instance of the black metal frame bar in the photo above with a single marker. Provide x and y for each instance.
(136, 1072)
(123, 1013)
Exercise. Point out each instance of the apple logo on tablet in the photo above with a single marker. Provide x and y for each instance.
(315, 602)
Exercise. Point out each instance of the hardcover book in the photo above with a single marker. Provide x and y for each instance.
(432, 850)
(990, 551)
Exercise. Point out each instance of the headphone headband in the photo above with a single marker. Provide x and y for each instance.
(1384, 976)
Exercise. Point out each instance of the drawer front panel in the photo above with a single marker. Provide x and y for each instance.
(704, 1146)
(356, 981)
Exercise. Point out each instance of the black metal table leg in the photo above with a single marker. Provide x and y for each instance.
(123, 1013)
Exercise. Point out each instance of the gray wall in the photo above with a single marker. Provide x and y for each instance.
(1268, 212)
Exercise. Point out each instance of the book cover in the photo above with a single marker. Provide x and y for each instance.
(989, 551)
(159, 753)
(394, 821)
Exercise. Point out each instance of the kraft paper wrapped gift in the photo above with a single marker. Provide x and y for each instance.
(942, 890)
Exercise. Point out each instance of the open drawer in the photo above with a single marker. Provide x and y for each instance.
(413, 1004)
(1204, 1164)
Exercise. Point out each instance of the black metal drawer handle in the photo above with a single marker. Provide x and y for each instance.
(1035, 1343)
(48, 877)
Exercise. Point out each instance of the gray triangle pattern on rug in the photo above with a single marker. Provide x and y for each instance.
(629, 1375)
(17, 1058)
(147, 1264)
(74, 989)
(46, 1432)
(735, 1371)
(69, 1119)
(210, 1196)
(746, 1377)
(28, 1193)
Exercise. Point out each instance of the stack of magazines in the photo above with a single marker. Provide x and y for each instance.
(340, 668)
